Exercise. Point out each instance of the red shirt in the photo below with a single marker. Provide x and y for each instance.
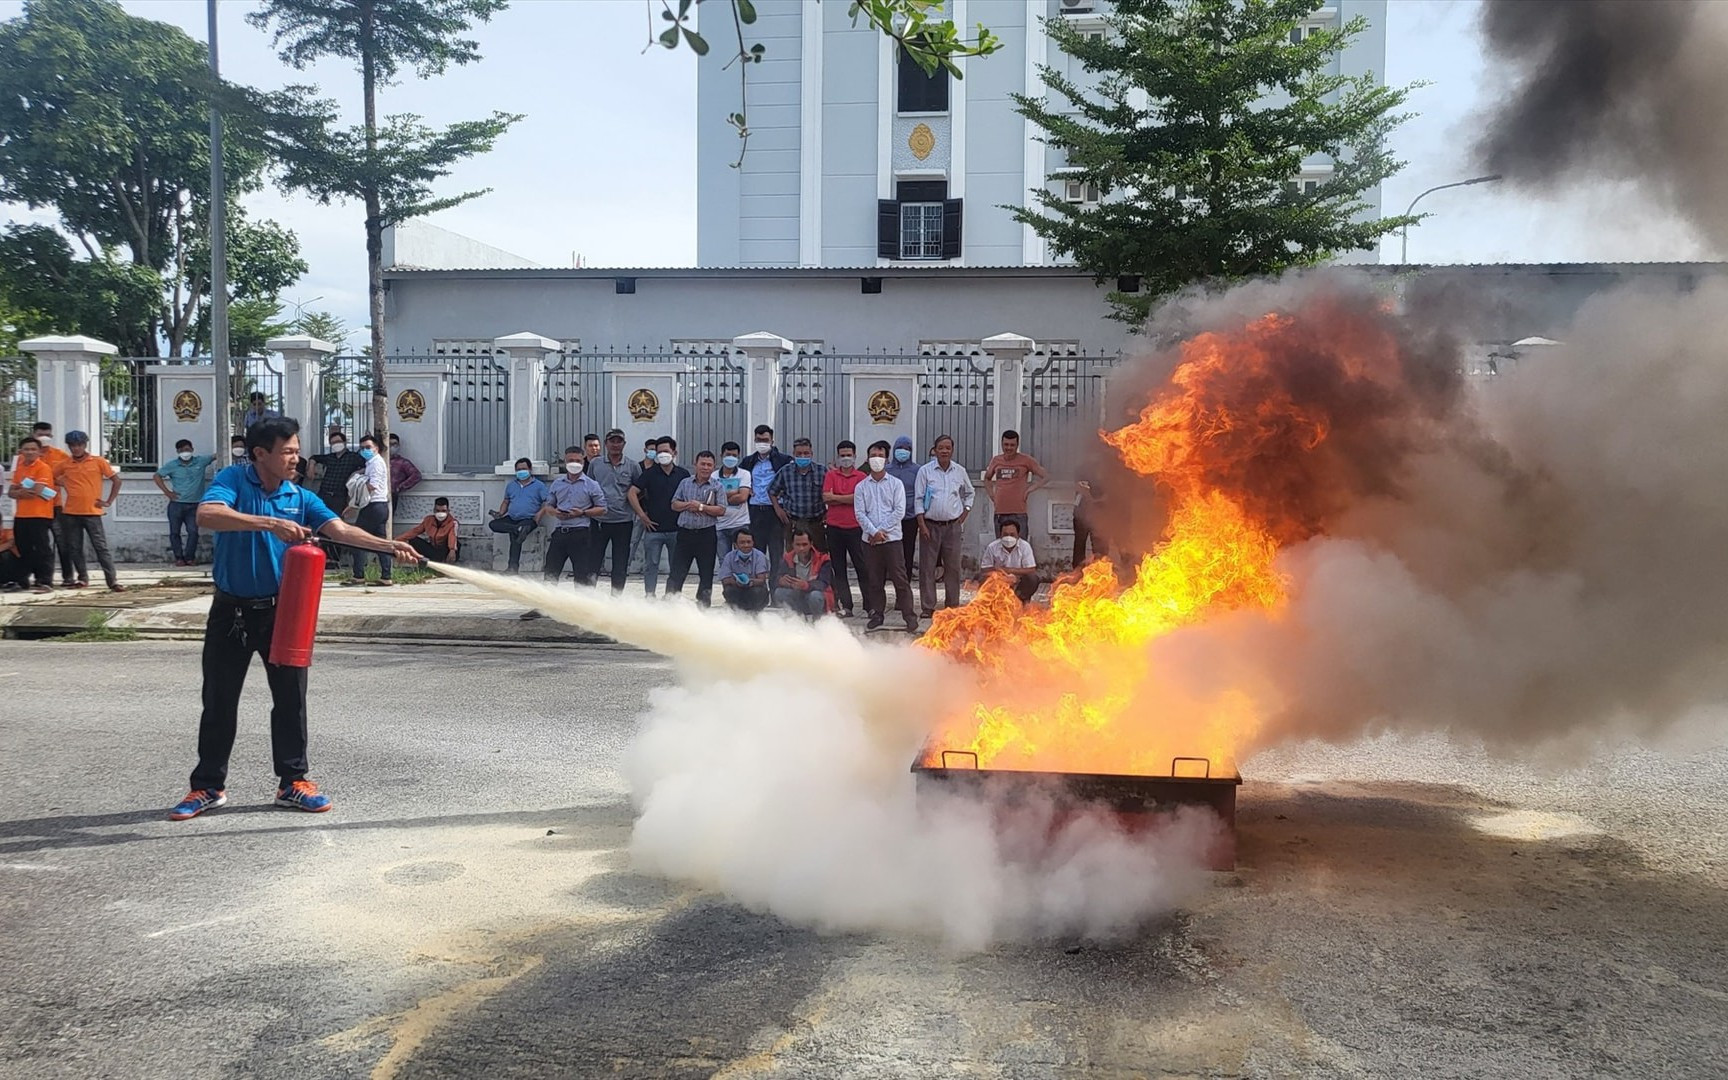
(841, 515)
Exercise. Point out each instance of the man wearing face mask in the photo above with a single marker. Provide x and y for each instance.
(404, 474)
(237, 453)
(331, 470)
(700, 502)
(54, 457)
(902, 468)
(435, 537)
(518, 514)
(1011, 556)
(737, 483)
(845, 538)
(574, 503)
(374, 516)
(651, 498)
(183, 481)
(942, 501)
(880, 503)
(614, 472)
(797, 494)
(762, 465)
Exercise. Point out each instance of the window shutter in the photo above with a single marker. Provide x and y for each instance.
(887, 229)
(951, 228)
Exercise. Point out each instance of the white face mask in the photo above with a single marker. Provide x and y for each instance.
(848, 461)
(574, 468)
(663, 458)
(239, 451)
(878, 464)
(440, 514)
(185, 455)
(1008, 542)
(763, 448)
(338, 447)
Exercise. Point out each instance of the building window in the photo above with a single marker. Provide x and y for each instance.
(1081, 192)
(920, 92)
(1303, 31)
(921, 230)
(921, 222)
(1308, 183)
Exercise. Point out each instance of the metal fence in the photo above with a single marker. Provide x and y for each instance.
(957, 397)
(1063, 408)
(812, 403)
(129, 410)
(17, 401)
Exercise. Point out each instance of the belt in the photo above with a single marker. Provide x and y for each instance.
(255, 603)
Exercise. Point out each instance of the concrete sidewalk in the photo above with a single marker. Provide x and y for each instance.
(169, 602)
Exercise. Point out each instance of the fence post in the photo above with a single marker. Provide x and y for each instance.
(69, 384)
(419, 409)
(1008, 351)
(762, 352)
(303, 385)
(527, 352)
(185, 409)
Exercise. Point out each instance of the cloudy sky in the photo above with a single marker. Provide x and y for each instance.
(604, 165)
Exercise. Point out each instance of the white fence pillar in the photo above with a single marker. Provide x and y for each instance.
(419, 400)
(303, 386)
(186, 409)
(69, 384)
(526, 364)
(762, 352)
(1008, 351)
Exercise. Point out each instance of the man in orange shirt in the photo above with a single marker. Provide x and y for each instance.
(13, 575)
(33, 488)
(81, 478)
(54, 457)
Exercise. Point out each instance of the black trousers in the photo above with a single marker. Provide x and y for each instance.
(430, 551)
(67, 570)
(77, 527)
(235, 631)
(35, 538)
(744, 597)
(698, 546)
(573, 546)
(1082, 533)
(883, 563)
(517, 529)
(846, 545)
(766, 530)
(909, 545)
(617, 536)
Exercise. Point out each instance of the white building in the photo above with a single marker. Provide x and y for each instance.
(856, 160)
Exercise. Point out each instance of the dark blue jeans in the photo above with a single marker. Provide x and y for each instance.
(373, 518)
(183, 516)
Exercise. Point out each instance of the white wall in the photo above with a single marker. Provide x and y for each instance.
(420, 244)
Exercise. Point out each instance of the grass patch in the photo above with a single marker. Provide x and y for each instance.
(96, 628)
(400, 574)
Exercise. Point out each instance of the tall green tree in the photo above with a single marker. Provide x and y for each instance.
(1199, 120)
(104, 119)
(389, 166)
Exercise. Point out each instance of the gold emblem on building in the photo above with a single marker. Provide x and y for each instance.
(411, 405)
(921, 141)
(643, 404)
(187, 406)
(883, 407)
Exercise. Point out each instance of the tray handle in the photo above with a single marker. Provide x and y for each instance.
(959, 753)
(1204, 761)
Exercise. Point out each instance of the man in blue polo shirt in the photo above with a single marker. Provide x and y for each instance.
(518, 513)
(255, 511)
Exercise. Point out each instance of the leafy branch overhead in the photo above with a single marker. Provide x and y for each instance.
(1188, 137)
(917, 26)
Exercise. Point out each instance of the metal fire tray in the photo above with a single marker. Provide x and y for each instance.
(1139, 802)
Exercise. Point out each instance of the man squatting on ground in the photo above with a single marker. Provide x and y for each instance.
(255, 511)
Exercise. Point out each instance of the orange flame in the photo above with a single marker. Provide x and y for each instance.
(1072, 687)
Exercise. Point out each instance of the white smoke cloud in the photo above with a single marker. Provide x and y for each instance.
(777, 771)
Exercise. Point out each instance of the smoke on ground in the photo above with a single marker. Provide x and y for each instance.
(1612, 90)
(1540, 562)
(776, 769)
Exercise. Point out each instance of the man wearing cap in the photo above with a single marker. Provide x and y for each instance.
(615, 473)
(80, 477)
(255, 511)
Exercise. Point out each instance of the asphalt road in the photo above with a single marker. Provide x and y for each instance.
(1403, 908)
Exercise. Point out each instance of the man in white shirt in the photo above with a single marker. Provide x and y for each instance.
(1011, 556)
(879, 501)
(944, 499)
(374, 517)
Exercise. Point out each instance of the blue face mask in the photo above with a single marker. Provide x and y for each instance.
(730, 461)
(522, 474)
(902, 454)
(801, 462)
(368, 453)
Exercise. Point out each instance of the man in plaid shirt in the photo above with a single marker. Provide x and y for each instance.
(797, 494)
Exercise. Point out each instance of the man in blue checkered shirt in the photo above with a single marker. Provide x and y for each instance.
(797, 494)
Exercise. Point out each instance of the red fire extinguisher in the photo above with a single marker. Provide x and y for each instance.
(297, 605)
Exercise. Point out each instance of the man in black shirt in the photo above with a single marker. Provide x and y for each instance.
(334, 469)
(651, 499)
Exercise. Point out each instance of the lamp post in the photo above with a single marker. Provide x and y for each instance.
(1404, 244)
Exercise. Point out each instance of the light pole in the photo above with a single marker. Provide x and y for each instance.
(1404, 244)
(299, 305)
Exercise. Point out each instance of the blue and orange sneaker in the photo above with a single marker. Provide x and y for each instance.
(196, 802)
(303, 795)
